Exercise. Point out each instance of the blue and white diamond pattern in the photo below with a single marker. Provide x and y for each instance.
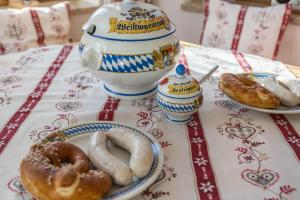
(263, 75)
(179, 108)
(127, 64)
(87, 128)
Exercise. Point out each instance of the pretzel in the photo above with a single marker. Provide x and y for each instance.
(244, 90)
(61, 171)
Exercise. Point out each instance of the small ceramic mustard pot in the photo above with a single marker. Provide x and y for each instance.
(179, 95)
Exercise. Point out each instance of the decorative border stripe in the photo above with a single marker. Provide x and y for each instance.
(286, 129)
(242, 61)
(239, 28)
(204, 174)
(108, 110)
(176, 97)
(136, 40)
(181, 108)
(128, 94)
(206, 12)
(15, 122)
(289, 133)
(284, 24)
(205, 178)
(38, 28)
(127, 64)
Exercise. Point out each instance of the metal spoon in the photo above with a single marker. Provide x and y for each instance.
(204, 78)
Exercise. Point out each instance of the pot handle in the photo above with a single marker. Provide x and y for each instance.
(91, 59)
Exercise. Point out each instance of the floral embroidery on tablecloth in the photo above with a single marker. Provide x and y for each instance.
(148, 117)
(69, 106)
(166, 175)
(63, 120)
(80, 83)
(7, 83)
(12, 79)
(16, 186)
(241, 127)
(67, 114)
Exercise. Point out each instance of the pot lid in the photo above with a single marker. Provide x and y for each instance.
(129, 21)
(179, 86)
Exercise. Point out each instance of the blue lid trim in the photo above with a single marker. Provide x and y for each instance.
(133, 40)
(178, 97)
(178, 121)
(129, 95)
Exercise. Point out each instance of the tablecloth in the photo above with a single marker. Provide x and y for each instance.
(225, 152)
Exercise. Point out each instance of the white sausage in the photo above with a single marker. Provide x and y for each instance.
(291, 83)
(140, 148)
(287, 98)
(104, 160)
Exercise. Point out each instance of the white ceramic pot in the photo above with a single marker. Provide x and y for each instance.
(130, 46)
(179, 96)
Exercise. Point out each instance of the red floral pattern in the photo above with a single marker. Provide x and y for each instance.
(13, 124)
(51, 25)
(11, 76)
(239, 28)
(108, 110)
(239, 131)
(265, 178)
(148, 117)
(258, 27)
(241, 127)
(284, 24)
(216, 38)
(69, 107)
(289, 133)
(37, 24)
(205, 179)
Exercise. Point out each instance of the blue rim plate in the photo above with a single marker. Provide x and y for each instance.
(78, 132)
(279, 110)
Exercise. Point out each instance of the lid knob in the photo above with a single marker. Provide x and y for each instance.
(180, 70)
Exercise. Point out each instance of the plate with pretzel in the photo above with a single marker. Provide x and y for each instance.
(263, 92)
(92, 161)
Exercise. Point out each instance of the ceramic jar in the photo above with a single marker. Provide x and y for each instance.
(130, 46)
(179, 95)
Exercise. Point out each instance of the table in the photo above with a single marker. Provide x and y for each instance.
(225, 152)
(294, 69)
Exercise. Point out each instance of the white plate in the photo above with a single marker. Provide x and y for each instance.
(279, 110)
(80, 135)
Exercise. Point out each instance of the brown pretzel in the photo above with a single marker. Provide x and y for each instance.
(61, 171)
(243, 89)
